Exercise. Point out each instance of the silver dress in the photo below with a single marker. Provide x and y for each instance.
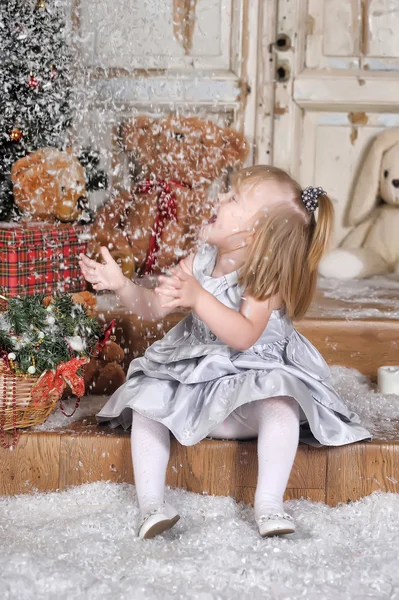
(190, 381)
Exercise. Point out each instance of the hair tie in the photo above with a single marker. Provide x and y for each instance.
(310, 197)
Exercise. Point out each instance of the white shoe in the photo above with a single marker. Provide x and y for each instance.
(157, 521)
(279, 524)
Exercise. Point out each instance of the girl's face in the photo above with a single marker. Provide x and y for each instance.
(237, 212)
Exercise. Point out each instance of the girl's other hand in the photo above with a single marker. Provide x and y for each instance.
(181, 289)
(106, 276)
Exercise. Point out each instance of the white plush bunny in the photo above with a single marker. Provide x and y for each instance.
(372, 246)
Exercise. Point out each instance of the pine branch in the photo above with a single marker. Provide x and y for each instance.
(40, 336)
(16, 316)
(53, 351)
(6, 342)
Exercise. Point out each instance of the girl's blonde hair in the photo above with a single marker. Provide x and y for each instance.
(287, 244)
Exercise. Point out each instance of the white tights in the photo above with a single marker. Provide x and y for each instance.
(275, 421)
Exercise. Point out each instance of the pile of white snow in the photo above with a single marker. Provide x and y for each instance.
(81, 544)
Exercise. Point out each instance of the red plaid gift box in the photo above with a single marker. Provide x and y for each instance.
(40, 258)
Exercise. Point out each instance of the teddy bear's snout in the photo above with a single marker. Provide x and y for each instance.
(395, 183)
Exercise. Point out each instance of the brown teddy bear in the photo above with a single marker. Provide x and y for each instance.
(50, 185)
(155, 224)
(104, 373)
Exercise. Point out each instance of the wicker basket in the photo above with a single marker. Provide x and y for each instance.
(28, 401)
(16, 392)
(17, 409)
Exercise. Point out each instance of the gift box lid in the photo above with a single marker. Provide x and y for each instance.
(42, 233)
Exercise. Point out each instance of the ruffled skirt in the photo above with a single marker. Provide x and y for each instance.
(191, 387)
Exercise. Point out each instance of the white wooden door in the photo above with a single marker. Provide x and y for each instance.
(336, 66)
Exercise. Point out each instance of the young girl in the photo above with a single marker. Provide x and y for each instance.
(235, 368)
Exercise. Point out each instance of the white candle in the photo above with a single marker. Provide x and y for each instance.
(388, 380)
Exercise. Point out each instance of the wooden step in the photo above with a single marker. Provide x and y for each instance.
(86, 452)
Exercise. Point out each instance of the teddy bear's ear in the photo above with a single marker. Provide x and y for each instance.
(112, 352)
(132, 131)
(34, 158)
(235, 148)
(366, 188)
(87, 299)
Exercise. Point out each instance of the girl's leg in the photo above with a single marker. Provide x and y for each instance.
(150, 443)
(277, 420)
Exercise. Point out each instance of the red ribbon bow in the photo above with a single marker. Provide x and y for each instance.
(51, 384)
(166, 211)
(108, 334)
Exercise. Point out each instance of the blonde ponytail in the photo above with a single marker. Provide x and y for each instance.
(322, 231)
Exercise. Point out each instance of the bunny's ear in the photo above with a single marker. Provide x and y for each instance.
(365, 192)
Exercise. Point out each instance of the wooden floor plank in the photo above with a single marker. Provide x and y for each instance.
(245, 494)
(317, 468)
(88, 458)
(33, 465)
(382, 467)
(357, 470)
(314, 495)
(247, 466)
(206, 468)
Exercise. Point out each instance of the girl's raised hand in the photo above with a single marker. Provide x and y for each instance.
(106, 276)
(180, 290)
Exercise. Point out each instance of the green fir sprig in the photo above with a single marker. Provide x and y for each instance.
(38, 337)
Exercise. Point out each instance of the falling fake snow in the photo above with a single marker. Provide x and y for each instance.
(82, 544)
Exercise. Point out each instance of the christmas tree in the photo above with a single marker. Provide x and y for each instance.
(35, 84)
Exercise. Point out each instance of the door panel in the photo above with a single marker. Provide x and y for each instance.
(342, 89)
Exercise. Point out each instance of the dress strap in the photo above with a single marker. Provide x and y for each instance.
(204, 261)
(203, 265)
(218, 285)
